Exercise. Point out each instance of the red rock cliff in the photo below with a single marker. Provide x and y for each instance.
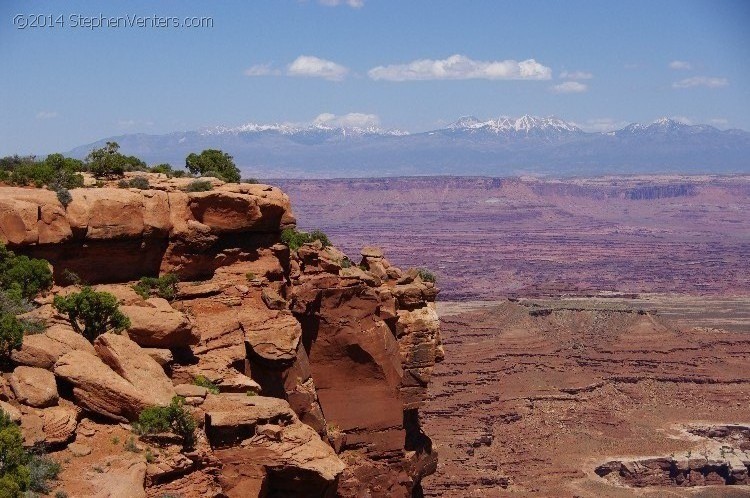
(349, 349)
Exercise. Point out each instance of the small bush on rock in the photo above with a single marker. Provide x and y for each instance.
(63, 195)
(108, 162)
(164, 286)
(296, 239)
(203, 381)
(139, 182)
(92, 313)
(426, 275)
(165, 169)
(42, 469)
(22, 474)
(199, 186)
(11, 336)
(14, 471)
(23, 275)
(212, 162)
(173, 418)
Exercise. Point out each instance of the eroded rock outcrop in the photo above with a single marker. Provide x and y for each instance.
(116, 235)
(320, 365)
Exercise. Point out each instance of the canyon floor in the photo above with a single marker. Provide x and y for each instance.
(588, 325)
(534, 395)
(487, 238)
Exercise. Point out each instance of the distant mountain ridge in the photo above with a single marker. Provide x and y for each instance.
(469, 146)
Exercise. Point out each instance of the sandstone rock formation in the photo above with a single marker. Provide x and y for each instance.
(34, 386)
(311, 370)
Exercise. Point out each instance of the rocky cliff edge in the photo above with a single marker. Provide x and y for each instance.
(321, 364)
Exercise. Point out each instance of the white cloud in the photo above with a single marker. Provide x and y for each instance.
(262, 70)
(351, 120)
(460, 67)
(680, 65)
(719, 121)
(705, 81)
(356, 4)
(576, 75)
(315, 67)
(46, 115)
(569, 87)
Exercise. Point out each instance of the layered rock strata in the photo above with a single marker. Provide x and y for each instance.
(321, 366)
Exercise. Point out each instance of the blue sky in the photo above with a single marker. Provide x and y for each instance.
(413, 65)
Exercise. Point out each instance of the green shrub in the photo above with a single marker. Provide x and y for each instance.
(250, 180)
(250, 276)
(214, 174)
(199, 186)
(214, 161)
(131, 446)
(42, 469)
(139, 182)
(63, 195)
(346, 262)
(92, 313)
(164, 168)
(11, 336)
(426, 275)
(31, 327)
(108, 162)
(165, 286)
(14, 471)
(70, 277)
(23, 274)
(296, 239)
(61, 494)
(13, 303)
(173, 418)
(56, 171)
(203, 381)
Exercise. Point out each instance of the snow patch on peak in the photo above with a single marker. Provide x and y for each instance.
(295, 129)
(524, 124)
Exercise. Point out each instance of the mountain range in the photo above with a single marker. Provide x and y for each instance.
(469, 146)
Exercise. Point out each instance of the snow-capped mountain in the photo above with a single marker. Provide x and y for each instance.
(498, 147)
(525, 125)
(291, 129)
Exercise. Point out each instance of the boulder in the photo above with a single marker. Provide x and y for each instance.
(190, 391)
(43, 350)
(10, 410)
(97, 388)
(122, 477)
(59, 424)
(79, 449)
(273, 300)
(159, 325)
(135, 365)
(161, 356)
(253, 433)
(273, 336)
(34, 386)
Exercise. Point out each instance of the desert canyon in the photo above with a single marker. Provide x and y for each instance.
(592, 339)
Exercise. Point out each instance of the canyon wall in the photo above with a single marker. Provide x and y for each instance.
(321, 364)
